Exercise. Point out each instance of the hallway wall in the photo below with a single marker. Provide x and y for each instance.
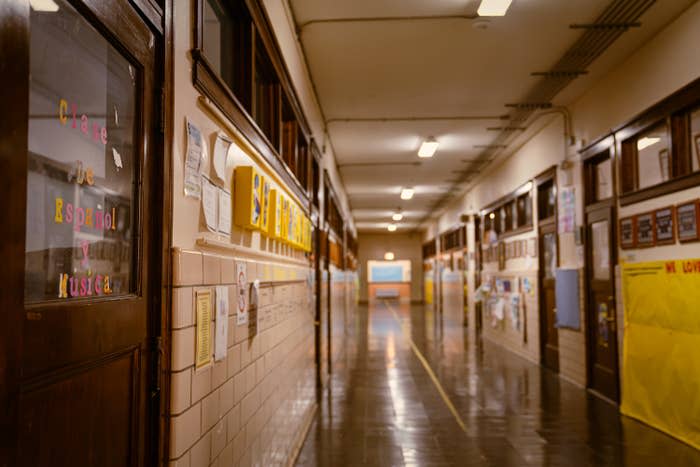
(254, 406)
(404, 246)
(660, 67)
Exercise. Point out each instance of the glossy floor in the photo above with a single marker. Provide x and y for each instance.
(488, 406)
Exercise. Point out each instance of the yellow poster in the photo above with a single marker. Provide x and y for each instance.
(661, 364)
(203, 312)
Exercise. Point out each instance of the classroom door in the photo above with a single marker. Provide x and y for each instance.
(601, 320)
(82, 391)
(549, 336)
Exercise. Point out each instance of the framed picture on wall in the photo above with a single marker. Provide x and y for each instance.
(628, 232)
(645, 230)
(687, 217)
(665, 221)
(663, 165)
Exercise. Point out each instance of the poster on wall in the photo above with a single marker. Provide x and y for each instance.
(194, 156)
(203, 340)
(628, 232)
(221, 148)
(221, 337)
(645, 230)
(665, 228)
(567, 210)
(660, 373)
(687, 216)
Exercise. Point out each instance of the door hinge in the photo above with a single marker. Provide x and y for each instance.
(162, 110)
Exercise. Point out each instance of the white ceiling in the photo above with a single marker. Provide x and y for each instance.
(382, 84)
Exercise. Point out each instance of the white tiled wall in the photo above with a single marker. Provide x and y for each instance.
(253, 407)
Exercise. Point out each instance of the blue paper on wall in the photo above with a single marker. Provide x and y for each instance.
(567, 299)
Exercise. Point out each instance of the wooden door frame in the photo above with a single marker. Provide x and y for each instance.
(605, 146)
(14, 44)
(545, 227)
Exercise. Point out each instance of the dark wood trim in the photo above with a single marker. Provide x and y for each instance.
(546, 175)
(14, 49)
(264, 29)
(166, 202)
(521, 190)
(210, 84)
(670, 186)
(152, 12)
(599, 146)
(686, 97)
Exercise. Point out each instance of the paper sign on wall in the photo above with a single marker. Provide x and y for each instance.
(203, 315)
(242, 305)
(224, 212)
(193, 161)
(221, 147)
(221, 322)
(210, 204)
(567, 210)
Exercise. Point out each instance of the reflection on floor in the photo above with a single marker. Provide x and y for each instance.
(383, 408)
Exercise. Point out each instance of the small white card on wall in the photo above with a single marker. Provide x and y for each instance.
(242, 282)
(221, 341)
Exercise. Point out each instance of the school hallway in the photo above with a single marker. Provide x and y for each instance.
(382, 407)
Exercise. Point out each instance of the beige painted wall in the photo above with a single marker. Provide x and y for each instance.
(657, 69)
(404, 246)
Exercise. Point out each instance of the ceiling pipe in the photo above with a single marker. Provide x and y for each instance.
(369, 19)
(417, 119)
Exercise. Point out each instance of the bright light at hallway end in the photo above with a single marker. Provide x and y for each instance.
(407, 193)
(493, 7)
(391, 227)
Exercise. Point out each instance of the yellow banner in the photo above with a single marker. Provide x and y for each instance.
(661, 355)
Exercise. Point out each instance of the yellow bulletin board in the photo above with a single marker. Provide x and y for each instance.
(248, 197)
(661, 354)
(275, 222)
(265, 215)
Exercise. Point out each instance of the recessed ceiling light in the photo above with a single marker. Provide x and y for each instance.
(407, 193)
(428, 148)
(43, 5)
(397, 216)
(646, 142)
(492, 216)
(391, 227)
(493, 7)
(389, 256)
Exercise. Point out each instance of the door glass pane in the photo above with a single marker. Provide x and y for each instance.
(81, 162)
(695, 136)
(603, 180)
(550, 254)
(600, 243)
(653, 156)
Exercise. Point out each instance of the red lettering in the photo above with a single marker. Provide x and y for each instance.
(671, 267)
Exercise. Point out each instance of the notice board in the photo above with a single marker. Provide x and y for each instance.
(661, 368)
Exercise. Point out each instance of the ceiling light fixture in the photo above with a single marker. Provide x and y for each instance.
(397, 216)
(407, 193)
(389, 256)
(493, 7)
(646, 142)
(391, 227)
(492, 216)
(43, 5)
(428, 148)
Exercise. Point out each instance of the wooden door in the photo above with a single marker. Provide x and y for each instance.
(600, 313)
(83, 309)
(549, 337)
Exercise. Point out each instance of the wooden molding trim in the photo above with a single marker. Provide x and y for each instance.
(208, 83)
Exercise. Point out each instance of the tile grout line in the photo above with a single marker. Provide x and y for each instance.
(429, 370)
